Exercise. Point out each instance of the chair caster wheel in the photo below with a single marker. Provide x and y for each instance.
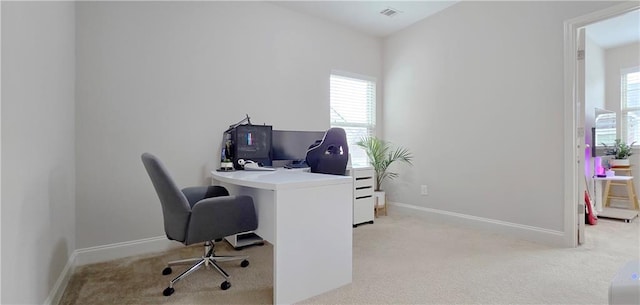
(244, 263)
(169, 291)
(225, 285)
(166, 271)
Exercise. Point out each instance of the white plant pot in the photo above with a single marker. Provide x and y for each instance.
(380, 197)
(619, 162)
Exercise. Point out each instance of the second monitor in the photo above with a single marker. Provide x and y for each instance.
(289, 147)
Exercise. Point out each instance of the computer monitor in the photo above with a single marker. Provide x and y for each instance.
(292, 145)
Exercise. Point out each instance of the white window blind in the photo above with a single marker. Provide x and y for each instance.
(630, 96)
(353, 108)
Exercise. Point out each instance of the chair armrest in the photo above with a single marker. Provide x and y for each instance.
(197, 193)
(217, 217)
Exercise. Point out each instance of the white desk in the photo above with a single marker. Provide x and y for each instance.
(308, 219)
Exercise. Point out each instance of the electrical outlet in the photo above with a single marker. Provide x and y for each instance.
(423, 190)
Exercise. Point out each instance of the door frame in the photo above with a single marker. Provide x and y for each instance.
(573, 150)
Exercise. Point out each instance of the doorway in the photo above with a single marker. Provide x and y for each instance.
(576, 127)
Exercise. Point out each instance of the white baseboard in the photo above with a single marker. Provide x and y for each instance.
(61, 283)
(105, 253)
(536, 234)
(124, 249)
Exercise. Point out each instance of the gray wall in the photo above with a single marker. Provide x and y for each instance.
(170, 77)
(477, 93)
(38, 156)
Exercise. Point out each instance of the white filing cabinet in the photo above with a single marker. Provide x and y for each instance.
(363, 201)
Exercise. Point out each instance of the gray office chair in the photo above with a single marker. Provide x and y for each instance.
(199, 214)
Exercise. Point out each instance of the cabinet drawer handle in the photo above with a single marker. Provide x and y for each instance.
(368, 196)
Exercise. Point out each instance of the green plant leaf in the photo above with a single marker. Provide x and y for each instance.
(381, 156)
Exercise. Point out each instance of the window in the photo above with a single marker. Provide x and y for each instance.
(630, 96)
(353, 108)
(605, 125)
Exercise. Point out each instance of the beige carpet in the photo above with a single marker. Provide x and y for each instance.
(401, 259)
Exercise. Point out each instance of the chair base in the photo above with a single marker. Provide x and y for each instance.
(209, 259)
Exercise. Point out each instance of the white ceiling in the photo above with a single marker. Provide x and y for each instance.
(365, 15)
(616, 31)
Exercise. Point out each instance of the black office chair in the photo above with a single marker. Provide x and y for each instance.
(199, 214)
(331, 155)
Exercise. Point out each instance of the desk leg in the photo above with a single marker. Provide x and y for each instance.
(635, 195)
(631, 194)
(314, 241)
(597, 195)
(605, 194)
(311, 233)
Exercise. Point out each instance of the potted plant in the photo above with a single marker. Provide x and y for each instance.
(381, 156)
(620, 152)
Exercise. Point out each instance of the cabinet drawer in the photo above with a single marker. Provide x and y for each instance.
(363, 210)
(359, 183)
(366, 173)
(363, 192)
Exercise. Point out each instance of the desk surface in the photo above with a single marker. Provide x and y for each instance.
(279, 179)
(614, 178)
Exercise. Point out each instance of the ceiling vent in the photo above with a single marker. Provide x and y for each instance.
(390, 12)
